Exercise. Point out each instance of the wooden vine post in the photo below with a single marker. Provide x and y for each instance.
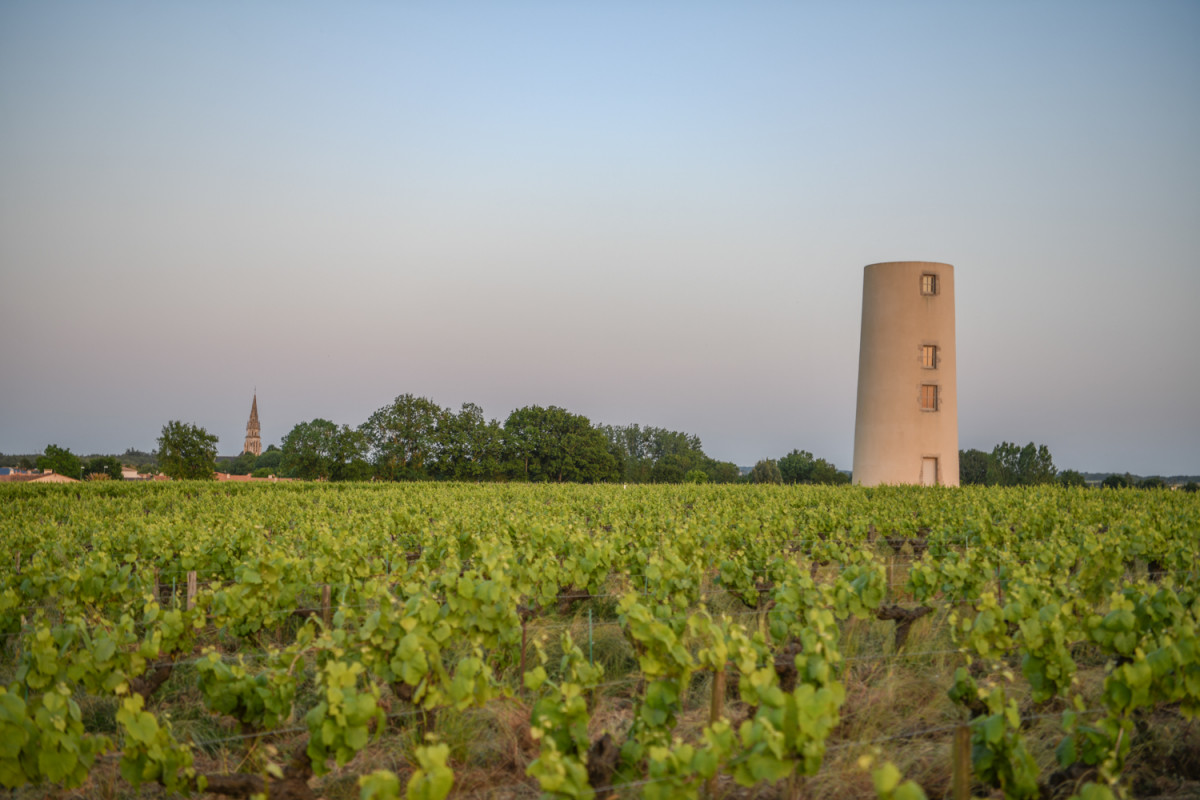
(795, 785)
(717, 709)
(891, 576)
(326, 605)
(715, 712)
(524, 640)
(191, 590)
(962, 762)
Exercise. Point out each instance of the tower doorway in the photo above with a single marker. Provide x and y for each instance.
(929, 471)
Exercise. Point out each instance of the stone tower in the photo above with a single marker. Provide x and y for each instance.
(253, 440)
(906, 424)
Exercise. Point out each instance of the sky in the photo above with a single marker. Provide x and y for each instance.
(643, 212)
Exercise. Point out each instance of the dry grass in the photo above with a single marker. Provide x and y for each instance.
(896, 709)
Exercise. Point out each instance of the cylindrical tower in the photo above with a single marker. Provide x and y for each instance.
(906, 425)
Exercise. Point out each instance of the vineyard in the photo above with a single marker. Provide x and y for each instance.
(514, 641)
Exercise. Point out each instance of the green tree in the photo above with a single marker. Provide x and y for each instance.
(674, 467)
(645, 454)
(630, 448)
(307, 451)
(470, 447)
(722, 471)
(1003, 468)
(60, 460)
(674, 454)
(1070, 477)
(552, 444)
(1191, 486)
(402, 438)
(136, 458)
(1153, 482)
(320, 450)
(350, 456)
(1010, 465)
(1116, 481)
(972, 467)
(766, 471)
(244, 464)
(1035, 466)
(523, 441)
(583, 453)
(104, 465)
(696, 476)
(270, 460)
(187, 452)
(800, 466)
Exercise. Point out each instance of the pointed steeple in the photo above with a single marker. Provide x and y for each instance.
(253, 440)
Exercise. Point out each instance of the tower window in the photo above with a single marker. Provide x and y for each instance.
(929, 356)
(929, 397)
(929, 283)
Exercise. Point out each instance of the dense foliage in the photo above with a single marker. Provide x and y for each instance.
(1009, 465)
(801, 466)
(105, 467)
(60, 460)
(413, 438)
(186, 451)
(433, 588)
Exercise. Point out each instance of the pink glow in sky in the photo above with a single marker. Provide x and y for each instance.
(654, 213)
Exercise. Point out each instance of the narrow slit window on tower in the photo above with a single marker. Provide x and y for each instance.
(929, 356)
(929, 397)
(929, 283)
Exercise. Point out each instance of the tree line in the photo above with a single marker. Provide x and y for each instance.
(1012, 465)
(62, 461)
(798, 466)
(414, 438)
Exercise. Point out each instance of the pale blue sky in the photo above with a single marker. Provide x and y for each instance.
(643, 212)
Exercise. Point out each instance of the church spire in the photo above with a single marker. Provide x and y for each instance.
(253, 440)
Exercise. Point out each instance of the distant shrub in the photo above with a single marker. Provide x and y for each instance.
(766, 471)
(1115, 481)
